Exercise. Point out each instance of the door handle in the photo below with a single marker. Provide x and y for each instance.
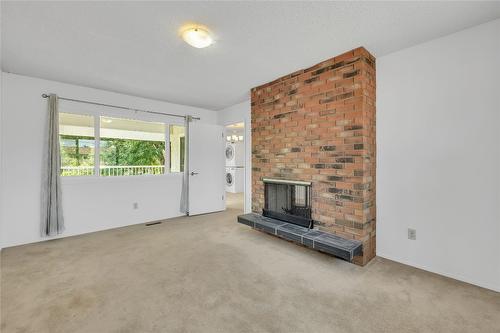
(193, 173)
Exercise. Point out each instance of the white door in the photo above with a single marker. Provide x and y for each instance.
(206, 168)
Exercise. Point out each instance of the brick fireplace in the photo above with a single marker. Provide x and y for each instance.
(318, 125)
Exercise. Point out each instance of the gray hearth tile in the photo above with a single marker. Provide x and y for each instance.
(338, 252)
(261, 222)
(308, 239)
(315, 239)
(295, 228)
(308, 242)
(358, 251)
(292, 232)
(336, 245)
(312, 234)
(337, 241)
(270, 229)
(243, 220)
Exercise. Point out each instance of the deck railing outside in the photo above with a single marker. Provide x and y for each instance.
(134, 170)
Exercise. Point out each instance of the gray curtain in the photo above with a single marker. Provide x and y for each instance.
(52, 215)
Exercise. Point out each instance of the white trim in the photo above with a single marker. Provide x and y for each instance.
(458, 277)
(97, 146)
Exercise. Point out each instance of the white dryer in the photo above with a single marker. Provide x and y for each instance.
(235, 179)
(235, 154)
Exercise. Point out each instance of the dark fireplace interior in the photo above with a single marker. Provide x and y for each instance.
(289, 201)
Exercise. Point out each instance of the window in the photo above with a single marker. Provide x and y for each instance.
(177, 144)
(131, 147)
(124, 147)
(76, 138)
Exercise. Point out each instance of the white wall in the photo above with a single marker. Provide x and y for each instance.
(90, 204)
(241, 112)
(438, 155)
(1, 112)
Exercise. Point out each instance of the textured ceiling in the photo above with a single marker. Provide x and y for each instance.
(134, 47)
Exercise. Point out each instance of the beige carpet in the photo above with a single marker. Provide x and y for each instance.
(235, 200)
(210, 274)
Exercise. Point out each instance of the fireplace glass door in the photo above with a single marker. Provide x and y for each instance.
(289, 201)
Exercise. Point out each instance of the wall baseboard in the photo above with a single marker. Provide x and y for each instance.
(457, 277)
(88, 232)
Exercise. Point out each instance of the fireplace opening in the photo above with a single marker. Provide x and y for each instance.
(288, 200)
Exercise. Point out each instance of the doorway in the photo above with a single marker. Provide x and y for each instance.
(235, 166)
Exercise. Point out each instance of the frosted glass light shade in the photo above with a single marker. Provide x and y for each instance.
(197, 37)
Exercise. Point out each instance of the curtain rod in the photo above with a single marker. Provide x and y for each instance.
(120, 107)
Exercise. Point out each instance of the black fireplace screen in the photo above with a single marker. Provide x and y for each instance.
(288, 201)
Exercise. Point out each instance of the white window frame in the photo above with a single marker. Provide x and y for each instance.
(97, 144)
(97, 140)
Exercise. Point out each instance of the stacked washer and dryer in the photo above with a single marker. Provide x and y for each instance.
(235, 170)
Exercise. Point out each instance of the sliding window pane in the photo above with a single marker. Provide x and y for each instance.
(131, 147)
(76, 138)
(177, 144)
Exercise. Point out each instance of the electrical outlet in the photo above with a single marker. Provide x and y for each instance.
(135, 205)
(412, 234)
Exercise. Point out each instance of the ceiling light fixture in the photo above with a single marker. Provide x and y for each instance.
(197, 37)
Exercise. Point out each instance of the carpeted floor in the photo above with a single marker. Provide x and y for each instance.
(209, 274)
(235, 200)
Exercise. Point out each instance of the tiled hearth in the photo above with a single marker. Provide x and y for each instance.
(318, 125)
(319, 240)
